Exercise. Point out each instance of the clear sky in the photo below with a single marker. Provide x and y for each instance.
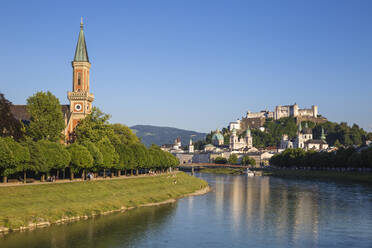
(195, 64)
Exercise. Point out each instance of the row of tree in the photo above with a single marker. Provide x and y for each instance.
(337, 134)
(35, 148)
(43, 157)
(342, 158)
(233, 159)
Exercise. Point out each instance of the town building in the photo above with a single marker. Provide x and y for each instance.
(237, 143)
(218, 139)
(191, 146)
(80, 97)
(304, 140)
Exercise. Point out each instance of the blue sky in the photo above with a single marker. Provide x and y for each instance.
(195, 64)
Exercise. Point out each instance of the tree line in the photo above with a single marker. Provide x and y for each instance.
(35, 149)
(342, 158)
(337, 134)
(233, 159)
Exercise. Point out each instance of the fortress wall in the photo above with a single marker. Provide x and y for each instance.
(252, 123)
(255, 115)
(305, 112)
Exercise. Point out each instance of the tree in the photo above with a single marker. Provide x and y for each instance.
(126, 158)
(366, 157)
(125, 134)
(38, 158)
(246, 160)
(9, 126)
(6, 160)
(55, 157)
(80, 159)
(110, 157)
(21, 157)
(337, 143)
(58, 157)
(220, 160)
(94, 127)
(47, 120)
(233, 159)
(96, 155)
(140, 159)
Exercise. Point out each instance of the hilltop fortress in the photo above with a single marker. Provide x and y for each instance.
(257, 119)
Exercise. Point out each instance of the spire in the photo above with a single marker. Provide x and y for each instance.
(81, 53)
(299, 128)
(248, 132)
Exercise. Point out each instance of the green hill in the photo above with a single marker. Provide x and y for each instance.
(165, 135)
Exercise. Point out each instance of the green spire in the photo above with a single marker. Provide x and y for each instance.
(248, 132)
(306, 125)
(299, 127)
(323, 137)
(81, 53)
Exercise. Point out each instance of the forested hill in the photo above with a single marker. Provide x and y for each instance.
(165, 135)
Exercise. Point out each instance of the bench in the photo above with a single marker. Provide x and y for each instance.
(13, 181)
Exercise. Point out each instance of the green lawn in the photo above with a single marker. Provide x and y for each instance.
(22, 205)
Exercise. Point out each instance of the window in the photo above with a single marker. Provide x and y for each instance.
(79, 78)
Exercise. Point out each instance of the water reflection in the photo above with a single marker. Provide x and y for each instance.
(116, 230)
(239, 212)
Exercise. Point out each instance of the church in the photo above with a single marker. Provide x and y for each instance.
(304, 140)
(80, 97)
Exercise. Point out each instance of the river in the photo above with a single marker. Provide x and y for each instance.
(238, 212)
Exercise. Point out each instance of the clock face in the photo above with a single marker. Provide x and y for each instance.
(78, 107)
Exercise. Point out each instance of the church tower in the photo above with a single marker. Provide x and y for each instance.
(191, 147)
(80, 97)
(248, 138)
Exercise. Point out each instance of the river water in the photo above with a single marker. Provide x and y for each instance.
(238, 212)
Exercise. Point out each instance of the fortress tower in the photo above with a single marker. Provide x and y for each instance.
(80, 97)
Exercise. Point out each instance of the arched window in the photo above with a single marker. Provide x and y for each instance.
(79, 78)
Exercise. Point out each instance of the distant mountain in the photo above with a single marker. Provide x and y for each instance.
(165, 135)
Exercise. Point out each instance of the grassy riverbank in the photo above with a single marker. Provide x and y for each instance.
(25, 205)
(232, 171)
(322, 175)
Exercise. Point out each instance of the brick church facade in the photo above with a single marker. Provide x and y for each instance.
(80, 97)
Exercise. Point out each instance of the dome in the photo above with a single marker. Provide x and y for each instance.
(217, 136)
(209, 145)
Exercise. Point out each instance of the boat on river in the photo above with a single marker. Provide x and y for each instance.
(249, 173)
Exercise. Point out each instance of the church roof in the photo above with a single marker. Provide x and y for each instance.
(217, 136)
(81, 53)
(20, 112)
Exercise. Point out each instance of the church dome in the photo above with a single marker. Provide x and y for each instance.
(217, 136)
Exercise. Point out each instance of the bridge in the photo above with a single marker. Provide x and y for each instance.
(197, 167)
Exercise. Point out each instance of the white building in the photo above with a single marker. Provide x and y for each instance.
(304, 140)
(235, 125)
(237, 143)
(191, 147)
